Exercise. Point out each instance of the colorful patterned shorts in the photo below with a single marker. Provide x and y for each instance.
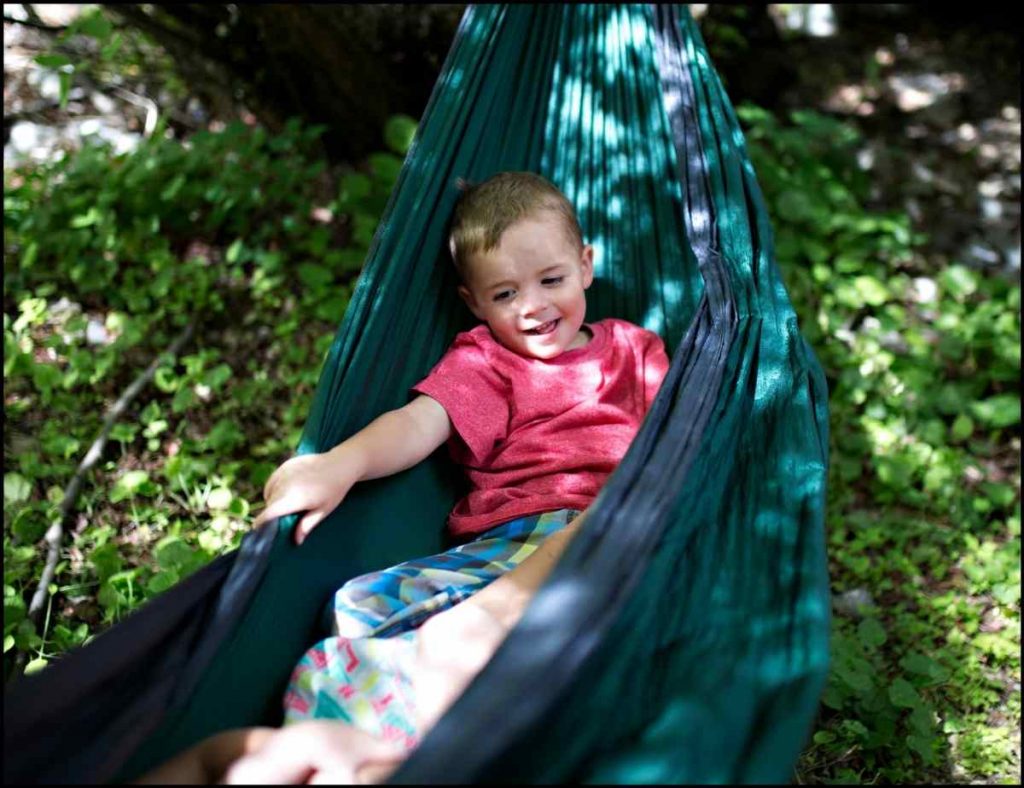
(362, 673)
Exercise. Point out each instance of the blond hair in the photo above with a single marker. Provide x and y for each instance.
(485, 210)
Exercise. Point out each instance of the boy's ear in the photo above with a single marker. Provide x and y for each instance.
(467, 296)
(587, 265)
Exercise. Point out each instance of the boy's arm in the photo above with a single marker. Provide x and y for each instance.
(396, 440)
(317, 483)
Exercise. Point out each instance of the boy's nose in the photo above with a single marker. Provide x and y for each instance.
(533, 302)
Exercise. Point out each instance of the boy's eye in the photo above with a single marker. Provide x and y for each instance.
(504, 295)
(552, 280)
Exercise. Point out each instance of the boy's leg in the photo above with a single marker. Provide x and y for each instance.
(365, 678)
(400, 598)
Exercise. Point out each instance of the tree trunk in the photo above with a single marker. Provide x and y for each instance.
(348, 67)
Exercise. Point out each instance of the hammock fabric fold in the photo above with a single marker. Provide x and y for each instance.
(683, 636)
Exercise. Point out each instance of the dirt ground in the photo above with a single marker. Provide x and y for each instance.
(936, 93)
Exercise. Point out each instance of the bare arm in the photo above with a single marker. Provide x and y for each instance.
(454, 645)
(396, 440)
(317, 483)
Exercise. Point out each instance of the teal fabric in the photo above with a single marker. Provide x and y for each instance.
(683, 637)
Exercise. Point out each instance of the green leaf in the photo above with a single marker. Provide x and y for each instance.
(236, 252)
(871, 633)
(106, 560)
(64, 82)
(16, 488)
(399, 132)
(871, 290)
(155, 427)
(922, 720)
(924, 665)
(1007, 593)
(218, 376)
(166, 379)
(963, 427)
(313, 275)
(1000, 494)
(354, 187)
(824, 737)
(112, 47)
(854, 729)
(8, 643)
(1000, 411)
(793, 206)
(86, 219)
(224, 436)
(959, 280)
(385, 166)
(123, 432)
(110, 597)
(28, 525)
(53, 60)
(922, 745)
(856, 678)
(219, 499)
(35, 666)
(95, 25)
(129, 484)
(903, 694)
(172, 553)
(183, 399)
(46, 377)
(14, 609)
(161, 581)
(173, 188)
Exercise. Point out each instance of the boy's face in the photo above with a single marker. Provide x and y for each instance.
(530, 288)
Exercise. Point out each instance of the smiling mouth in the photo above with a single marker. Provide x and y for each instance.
(545, 328)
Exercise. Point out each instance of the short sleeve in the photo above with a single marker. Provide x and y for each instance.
(474, 396)
(655, 366)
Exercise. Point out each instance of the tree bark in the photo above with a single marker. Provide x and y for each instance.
(349, 67)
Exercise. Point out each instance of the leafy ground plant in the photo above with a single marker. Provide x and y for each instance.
(923, 514)
(106, 257)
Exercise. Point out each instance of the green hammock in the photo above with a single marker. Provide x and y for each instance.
(683, 637)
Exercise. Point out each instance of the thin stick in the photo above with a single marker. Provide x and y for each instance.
(55, 533)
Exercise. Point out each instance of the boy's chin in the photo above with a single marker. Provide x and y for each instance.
(542, 350)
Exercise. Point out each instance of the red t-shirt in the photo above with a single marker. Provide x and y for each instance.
(539, 435)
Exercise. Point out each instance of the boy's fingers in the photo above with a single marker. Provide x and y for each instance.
(276, 507)
(270, 486)
(307, 524)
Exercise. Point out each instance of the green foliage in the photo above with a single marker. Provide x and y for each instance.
(924, 487)
(106, 258)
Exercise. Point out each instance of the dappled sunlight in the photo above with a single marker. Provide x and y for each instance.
(813, 19)
(914, 92)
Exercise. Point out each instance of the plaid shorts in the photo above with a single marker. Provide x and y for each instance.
(361, 674)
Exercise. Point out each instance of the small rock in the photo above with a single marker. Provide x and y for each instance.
(852, 603)
(62, 309)
(924, 290)
(96, 333)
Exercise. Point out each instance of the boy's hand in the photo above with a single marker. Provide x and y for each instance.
(313, 483)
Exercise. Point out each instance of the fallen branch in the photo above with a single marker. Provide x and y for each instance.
(54, 29)
(55, 533)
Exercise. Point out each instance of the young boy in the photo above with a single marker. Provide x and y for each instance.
(537, 406)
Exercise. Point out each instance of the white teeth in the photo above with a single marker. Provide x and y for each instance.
(544, 328)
